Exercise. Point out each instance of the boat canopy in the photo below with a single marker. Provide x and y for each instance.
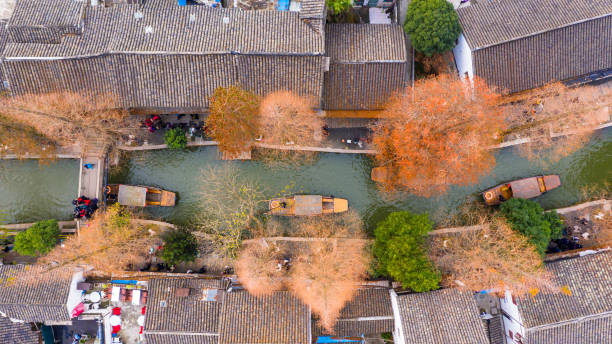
(526, 188)
(133, 196)
(308, 204)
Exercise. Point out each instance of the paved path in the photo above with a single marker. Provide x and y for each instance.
(90, 180)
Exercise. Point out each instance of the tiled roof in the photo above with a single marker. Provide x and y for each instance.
(34, 296)
(368, 302)
(101, 26)
(562, 54)
(368, 64)
(45, 21)
(313, 9)
(589, 278)
(48, 13)
(597, 330)
(353, 43)
(183, 314)
(161, 26)
(495, 330)
(17, 333)
(441, 317)
(362, 86)
(157, 338)
(494, 22)
(369, 312)
(186, 55)
(280, 318)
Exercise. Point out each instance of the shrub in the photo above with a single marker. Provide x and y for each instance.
(401, 251)
(433, 26)
(338, 6)
(556, 224)
(38, 239)
(179, 246)
(175, 138)
(528, 218)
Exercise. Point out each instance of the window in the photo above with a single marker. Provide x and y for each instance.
(514, 300)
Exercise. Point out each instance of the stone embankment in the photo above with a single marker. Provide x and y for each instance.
(336, 150)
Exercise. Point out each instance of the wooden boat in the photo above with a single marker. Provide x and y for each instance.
(522, 188)
(306, 205)
(140, 196)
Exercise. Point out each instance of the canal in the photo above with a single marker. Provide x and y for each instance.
(30, 192)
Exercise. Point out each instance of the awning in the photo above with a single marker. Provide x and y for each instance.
(133, 196)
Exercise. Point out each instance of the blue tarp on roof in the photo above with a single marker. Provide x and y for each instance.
(283, 5)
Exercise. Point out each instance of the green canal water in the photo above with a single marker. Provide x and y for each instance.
(29, 192)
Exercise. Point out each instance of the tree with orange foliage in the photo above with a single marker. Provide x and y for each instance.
(437, 134)
(67, 118)
(258, 267)
(544, 115)
(493, 257)
(288, 119)
(233, 119)
(326, 267)
(111, 242)
(326, 274)
(23, 141)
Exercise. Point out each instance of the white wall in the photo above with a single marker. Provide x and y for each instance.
(463, 58)
(398, 332)
(511, 318)
(74, 297)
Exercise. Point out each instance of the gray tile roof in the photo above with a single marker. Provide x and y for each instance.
(368, 64)
(369, 312)
(280, 318)
(353, 43)
(17, 333)
(161, 26)
(362, 86)
(188, 53)
(101, 27)
(596, 330)
(313, 9)
(494, 22)
(180, 339)
(183, 314)
(561, 54)
(495, 330)
(589, 279)
(45, 21)
(33, 296)
(441, 317)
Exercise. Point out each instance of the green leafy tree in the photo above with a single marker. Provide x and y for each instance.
(400, 248)
(556, 224)
(175, 138)
(38, 239)
(338, 6)
(179, 246)
(433, 26)
(528, 217)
